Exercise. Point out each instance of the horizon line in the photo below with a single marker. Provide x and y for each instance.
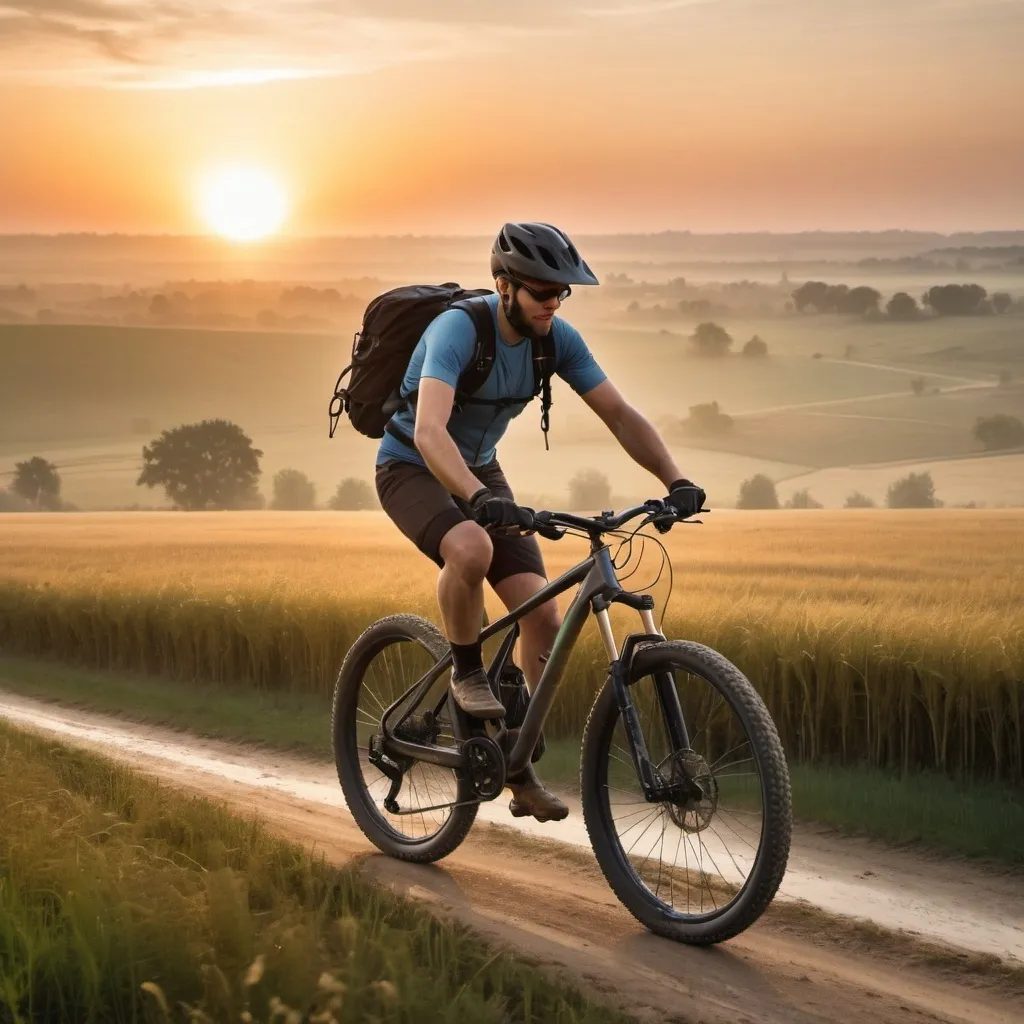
(472, 236)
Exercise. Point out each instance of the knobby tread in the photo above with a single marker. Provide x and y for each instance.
(770, 864)
(369, 819)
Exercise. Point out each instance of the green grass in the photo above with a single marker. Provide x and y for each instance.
(294, 722)
(123, 901)
(972, 819)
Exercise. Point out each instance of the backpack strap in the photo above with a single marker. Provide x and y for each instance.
(543, 368)
(479, 369)
(473, 378)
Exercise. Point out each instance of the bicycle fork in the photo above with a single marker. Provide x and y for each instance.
(656, 787)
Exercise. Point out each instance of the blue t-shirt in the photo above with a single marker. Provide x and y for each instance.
(446, 350)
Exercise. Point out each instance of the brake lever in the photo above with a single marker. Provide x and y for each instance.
(550, 532)
(543, 527)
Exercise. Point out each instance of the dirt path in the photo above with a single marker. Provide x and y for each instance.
(549, 900)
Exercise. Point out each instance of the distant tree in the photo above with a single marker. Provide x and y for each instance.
(695, 307)
(903, 307)
(813, 293)
(917, 385)
(38, 482)
(849, 351)
(708, 420)
(859, 301)
(709, 339)
(999, 431)
(211, 464)
(755, 348)
(590, 489)
(1005, 378)
(758, 492)
(836, 298)
(914, 491)
(293, 491)
(956, 299)
(633, 307)
(352, 495)
(803, 499)
(858, 500)
(1001, 302)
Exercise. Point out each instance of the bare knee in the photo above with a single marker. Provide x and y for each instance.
(542, 624)
(467, 551)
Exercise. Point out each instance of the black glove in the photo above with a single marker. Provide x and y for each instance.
(500, 515)
(686, 498)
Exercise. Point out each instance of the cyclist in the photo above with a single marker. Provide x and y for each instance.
(439, 479)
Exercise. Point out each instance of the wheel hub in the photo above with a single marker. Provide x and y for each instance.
(690, 813)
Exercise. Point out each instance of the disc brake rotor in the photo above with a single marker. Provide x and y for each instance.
(689, 813)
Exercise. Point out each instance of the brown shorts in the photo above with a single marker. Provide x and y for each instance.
(421, 507)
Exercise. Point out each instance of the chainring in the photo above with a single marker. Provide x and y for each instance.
(484, 767)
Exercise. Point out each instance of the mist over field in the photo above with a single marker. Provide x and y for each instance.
(105, 341)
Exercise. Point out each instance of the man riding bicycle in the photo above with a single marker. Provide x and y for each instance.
(439, 479)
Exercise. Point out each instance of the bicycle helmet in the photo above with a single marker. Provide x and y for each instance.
(541, 252)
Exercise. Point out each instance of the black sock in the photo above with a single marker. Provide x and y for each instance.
(467, 658)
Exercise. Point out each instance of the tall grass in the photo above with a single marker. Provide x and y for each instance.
(121, 901)
(889, 640)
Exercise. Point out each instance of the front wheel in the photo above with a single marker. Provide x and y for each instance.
(695, 869)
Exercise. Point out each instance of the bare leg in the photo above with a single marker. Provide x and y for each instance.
(538, 629)
(538, 634)
(466, 550)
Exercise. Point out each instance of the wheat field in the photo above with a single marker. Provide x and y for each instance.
(893, 639)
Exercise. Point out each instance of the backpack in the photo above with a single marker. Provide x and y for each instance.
(392, 326)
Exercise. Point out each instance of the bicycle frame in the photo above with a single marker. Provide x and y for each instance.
(598, 589)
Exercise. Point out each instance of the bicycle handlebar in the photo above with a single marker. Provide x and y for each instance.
(553, 525)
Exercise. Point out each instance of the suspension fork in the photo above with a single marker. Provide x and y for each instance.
(668, 695)
(655, 786)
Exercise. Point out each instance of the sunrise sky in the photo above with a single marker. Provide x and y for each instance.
(454, 115)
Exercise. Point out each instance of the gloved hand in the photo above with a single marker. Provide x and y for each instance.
(686, 498)
(500, 516)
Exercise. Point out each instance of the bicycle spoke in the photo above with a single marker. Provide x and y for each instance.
(391, 672)
(721, 829)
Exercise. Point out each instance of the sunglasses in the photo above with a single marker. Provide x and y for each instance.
(560, 292)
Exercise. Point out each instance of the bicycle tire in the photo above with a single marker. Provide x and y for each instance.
(376, 828)
(773, 851)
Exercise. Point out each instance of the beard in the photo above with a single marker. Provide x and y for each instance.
(517, 318)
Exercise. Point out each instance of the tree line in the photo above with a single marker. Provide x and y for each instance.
(916, 490)
(210, 465)
(214, 465)
(942, 300)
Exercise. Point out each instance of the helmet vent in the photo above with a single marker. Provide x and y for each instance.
(573, 254)
(522, 247)
(547, 257)
(503, 242)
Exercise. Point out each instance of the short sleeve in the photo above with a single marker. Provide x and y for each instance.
(449, 342)
(574, 362)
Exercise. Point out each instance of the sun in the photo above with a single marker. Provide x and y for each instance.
(243, 203)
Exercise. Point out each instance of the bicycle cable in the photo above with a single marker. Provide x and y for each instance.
(627, 538)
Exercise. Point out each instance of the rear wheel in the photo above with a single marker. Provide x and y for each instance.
(380, 666)
(702, 867)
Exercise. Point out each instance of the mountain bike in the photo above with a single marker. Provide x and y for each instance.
(684, 784)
